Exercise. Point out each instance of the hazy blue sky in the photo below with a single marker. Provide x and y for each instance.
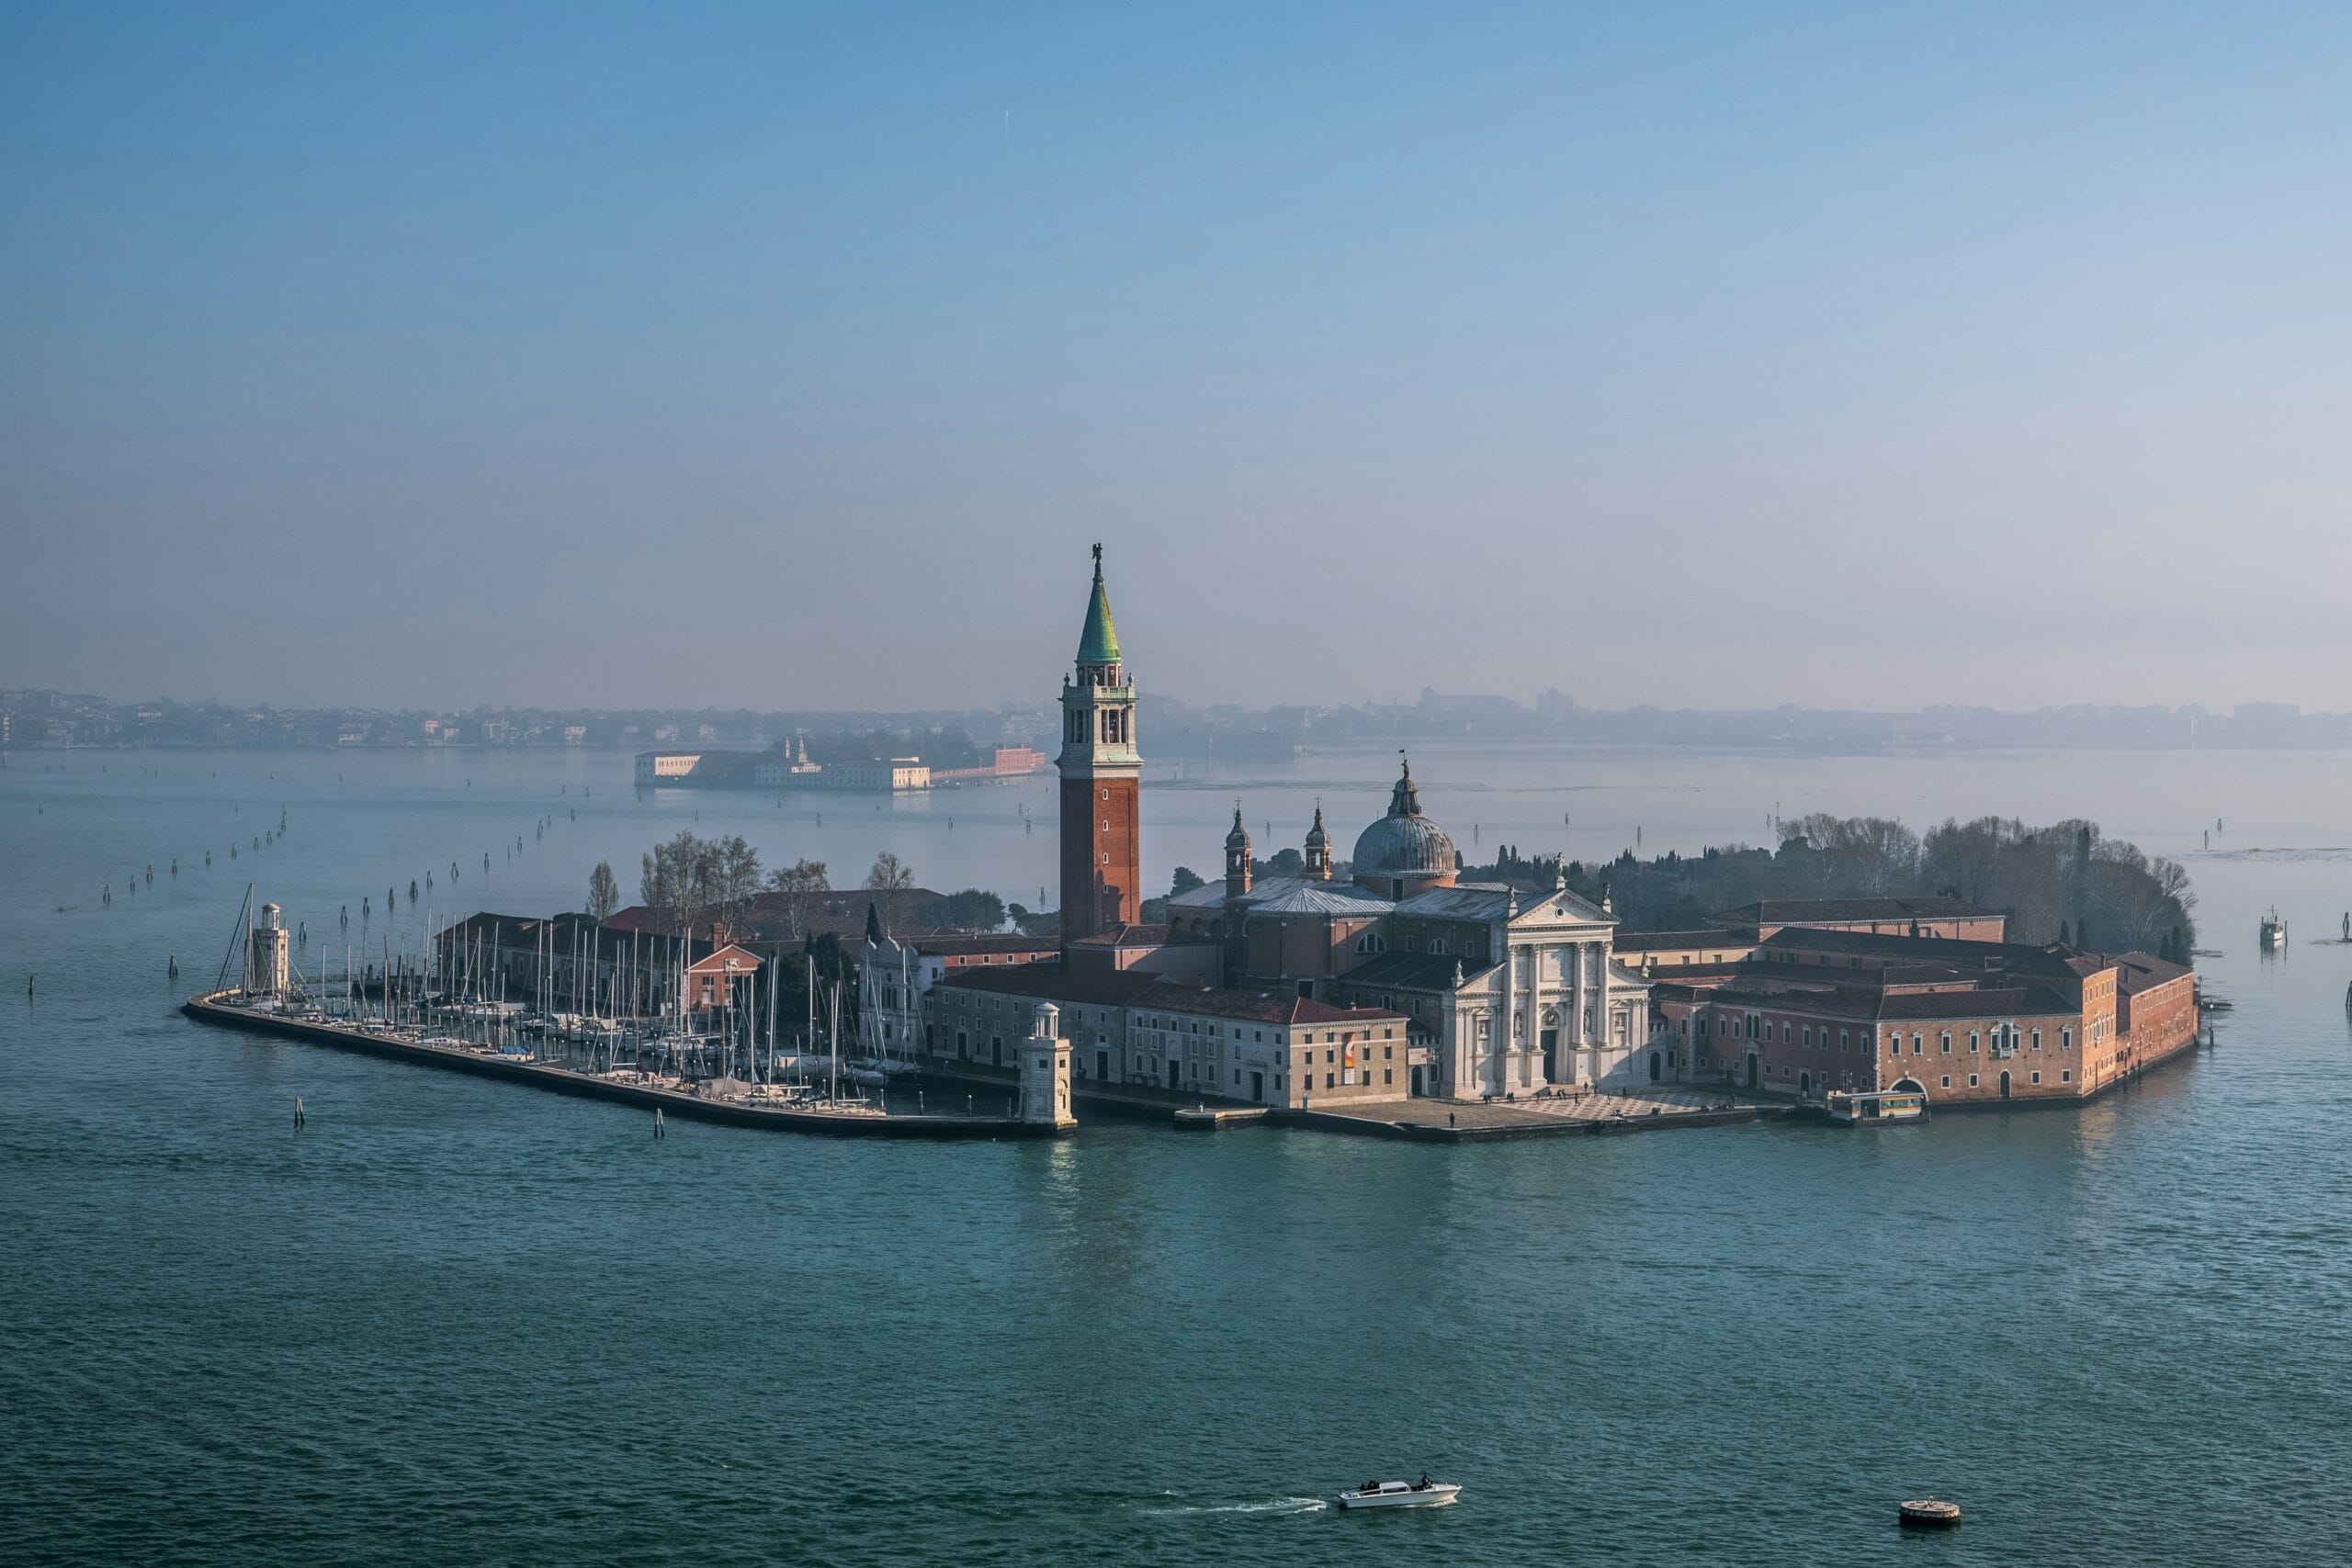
(1882, 353)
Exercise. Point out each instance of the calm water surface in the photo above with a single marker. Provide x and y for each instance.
(465, 1322)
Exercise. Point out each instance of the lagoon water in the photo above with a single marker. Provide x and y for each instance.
(463, 1323)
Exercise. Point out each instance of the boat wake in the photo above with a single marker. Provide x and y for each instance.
(1274, 1507)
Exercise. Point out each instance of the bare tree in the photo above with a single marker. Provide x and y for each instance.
(735, 878)
(604, 893)
(797, 885)
(690, 881)
(889, 875)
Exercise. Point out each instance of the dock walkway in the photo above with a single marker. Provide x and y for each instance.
(211, 1008)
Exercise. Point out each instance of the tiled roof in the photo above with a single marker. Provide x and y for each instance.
(1051, 982)
(2021, 956)
(1989, 1003)
(1475, 902)
(1312, 896)
(1125, 936)
(1259, 1006)
(1412, 971)
(1655, 942)
(1133, 988)
(2137, 972)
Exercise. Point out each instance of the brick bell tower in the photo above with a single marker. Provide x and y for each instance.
(1102, 774)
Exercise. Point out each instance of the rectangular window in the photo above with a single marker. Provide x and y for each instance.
(1971, 1080)
(1947, 1045)
(2037, 1077)
(1329, 1081)
(2036, 1040)
(2065, 1074)
(1947, 1080)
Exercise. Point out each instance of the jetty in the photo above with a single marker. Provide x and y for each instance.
(731, 1102)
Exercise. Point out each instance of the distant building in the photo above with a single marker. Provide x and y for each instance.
(666, 767)
(793, 767)
(893, 775)
(1008, 762)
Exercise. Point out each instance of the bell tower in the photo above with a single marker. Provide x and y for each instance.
(1319, 848)
(1102, 777)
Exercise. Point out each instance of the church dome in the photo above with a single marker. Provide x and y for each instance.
(1405, 843)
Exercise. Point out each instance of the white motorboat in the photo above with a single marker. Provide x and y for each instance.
(1423, 1494)
(1850, 1109)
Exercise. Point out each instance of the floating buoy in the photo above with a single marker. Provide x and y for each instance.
(657, 1131)
(1928, 1513)
(297, 1113)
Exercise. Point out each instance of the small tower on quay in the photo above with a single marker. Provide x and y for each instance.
(1044, 1071)
(267, 966)
(1319, 848)
(1102, 780)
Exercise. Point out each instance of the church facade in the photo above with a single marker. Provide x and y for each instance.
(1505, 991)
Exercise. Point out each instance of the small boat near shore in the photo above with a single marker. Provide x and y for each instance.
(1421, 1493)
(1883, 1108)
(2274, 930)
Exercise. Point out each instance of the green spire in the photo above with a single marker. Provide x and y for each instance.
(1099, 643)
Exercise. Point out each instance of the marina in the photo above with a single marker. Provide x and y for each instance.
(731, 1102)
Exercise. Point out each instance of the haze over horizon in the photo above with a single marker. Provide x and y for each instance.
(1703, 357)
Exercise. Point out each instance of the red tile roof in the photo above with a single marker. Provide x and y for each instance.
(1134, 989)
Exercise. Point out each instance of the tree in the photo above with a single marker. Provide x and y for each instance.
(974, 909)
(689, 881)
(675, 882)
(604, 893)
(735, 878)
(800, 877)
(889, 875)
(798, 885)
(1183, 882)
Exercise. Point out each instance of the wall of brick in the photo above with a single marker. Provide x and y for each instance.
(1101, 853)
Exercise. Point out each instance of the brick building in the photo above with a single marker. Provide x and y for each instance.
(1133, 1028)
(1810, 1009)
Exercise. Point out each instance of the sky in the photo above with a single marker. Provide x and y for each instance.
(791, 358)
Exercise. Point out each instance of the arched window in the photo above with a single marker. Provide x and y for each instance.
(1437, 944)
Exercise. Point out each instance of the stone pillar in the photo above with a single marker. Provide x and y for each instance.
(1537, 1074)
(1044, 1071)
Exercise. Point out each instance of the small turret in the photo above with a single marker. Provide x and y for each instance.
(1237, 857)
(1319, 848)
(1044, 1071)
